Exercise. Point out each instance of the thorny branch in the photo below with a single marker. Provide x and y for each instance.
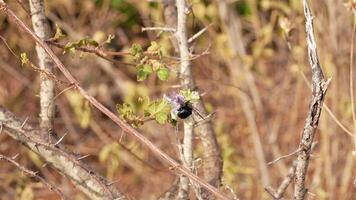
(33, 174)
(86, 180)
(127, 128)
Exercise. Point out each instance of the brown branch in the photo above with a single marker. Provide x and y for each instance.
(319, 88)
(86, 180)
(126, 127)
(97, 51)
(33, 174)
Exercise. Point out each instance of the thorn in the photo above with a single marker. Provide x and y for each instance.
(121, 136)
(44, 165)
(15, 156)
(195, 36)
(112, 182)
(60, 139)
(82, 157)
(24, 123)
(36, 146)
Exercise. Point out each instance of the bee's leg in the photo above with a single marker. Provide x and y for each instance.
(203, 119)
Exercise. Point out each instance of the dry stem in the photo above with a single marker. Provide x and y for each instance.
(319, 87)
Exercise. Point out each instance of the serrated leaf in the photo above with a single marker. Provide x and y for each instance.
(192, 96)
(161, 117)
(136, 50)
(163, 74)
(70, 47)
(125, 110)
(160, 110)
(143, 71)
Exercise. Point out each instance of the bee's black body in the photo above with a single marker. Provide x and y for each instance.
(185, 110)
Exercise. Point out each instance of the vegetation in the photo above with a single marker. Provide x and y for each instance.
(251, 80)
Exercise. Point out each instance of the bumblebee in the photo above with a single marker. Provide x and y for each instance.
(185, 110)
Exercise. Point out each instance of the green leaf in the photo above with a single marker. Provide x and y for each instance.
(143, 71)
(24, 59)
(59, 34)
(136, 50)
(154, 47)
(125, 110)
(163, 74)
(70, 47)
(160, 110)
(161, 117)
(192, 96)
(86, 42)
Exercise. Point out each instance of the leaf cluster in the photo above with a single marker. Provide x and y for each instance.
(149, 61)
(158, 110)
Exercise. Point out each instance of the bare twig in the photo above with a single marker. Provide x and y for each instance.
(284, 185)
(283, 157)
(127, 128)
(319, 88)
(96, 51)
(32, 174)
(165, 29)
(90, 183)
